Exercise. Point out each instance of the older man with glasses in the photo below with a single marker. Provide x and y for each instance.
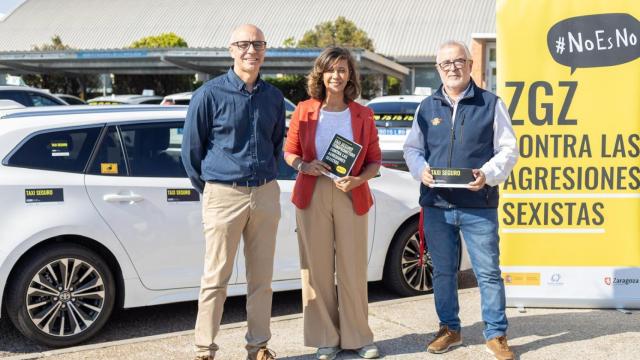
(232, 142)
(463, 126)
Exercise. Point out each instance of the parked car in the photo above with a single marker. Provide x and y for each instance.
(71, 100)
(394, 118)
(9, 104)
(29, 96)
(126, 100)
(98, 213)
(177, 99)
(185, 98)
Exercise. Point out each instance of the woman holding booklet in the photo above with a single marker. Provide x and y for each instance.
(331, 214)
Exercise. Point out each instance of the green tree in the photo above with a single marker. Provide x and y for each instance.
(57, 82)
(289, 42)
(56, 45)
(161, 84)
(393, 86)
(165, 40)
(292, 86)
(341, 32)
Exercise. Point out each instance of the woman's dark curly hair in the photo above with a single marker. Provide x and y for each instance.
(324, 62)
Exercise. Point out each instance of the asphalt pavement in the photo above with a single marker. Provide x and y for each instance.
(401, 327)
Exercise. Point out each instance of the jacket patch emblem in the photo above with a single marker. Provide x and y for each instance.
(436, 121)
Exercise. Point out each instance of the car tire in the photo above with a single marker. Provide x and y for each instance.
(62, 295)
(402, 273)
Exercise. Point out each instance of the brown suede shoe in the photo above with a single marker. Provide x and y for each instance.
(499, 348)
(263, 353)
(445, 339)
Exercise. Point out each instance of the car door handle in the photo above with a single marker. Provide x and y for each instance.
(122, 198)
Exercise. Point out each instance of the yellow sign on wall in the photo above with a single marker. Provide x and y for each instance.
(569, 72)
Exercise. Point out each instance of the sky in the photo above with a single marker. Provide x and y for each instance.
(7, 5)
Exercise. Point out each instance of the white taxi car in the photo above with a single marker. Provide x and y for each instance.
(185, 98)
(131, 99)
(97, 213)
(394, 117)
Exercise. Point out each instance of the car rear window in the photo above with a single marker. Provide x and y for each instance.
(151, 102)
(153, 150)
(109, 158)
(17, 96)
(401, 108)
(41, 100)
(393, 114)
(61, 150)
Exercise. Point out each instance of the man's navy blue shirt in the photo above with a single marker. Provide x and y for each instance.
(231, 134)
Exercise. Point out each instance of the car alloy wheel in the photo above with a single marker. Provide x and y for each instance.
(65, 297)
(417, 276)
(402, 272)
(61, 294)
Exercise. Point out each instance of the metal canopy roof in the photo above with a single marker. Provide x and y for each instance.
(178, 61)
(405, 29)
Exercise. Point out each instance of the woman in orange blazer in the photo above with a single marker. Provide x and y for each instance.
(332, 215)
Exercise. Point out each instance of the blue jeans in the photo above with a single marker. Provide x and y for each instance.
(479, 228)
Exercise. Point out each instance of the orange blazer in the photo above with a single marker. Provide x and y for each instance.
(301, 140)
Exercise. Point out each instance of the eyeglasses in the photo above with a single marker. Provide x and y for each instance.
(457, 64)
(244, 45)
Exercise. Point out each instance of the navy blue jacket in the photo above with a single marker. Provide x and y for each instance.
(467, 143)
(231, 134)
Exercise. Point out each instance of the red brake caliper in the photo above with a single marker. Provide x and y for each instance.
(421, 235)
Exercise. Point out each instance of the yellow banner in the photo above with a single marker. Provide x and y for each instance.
(570, 75)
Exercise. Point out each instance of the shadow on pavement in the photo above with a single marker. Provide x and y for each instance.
(565, 327)
(163, 319)
(552, 329)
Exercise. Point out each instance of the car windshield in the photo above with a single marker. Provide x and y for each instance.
(288, 105)
(393, 114)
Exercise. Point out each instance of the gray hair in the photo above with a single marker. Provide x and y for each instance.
(457, 43)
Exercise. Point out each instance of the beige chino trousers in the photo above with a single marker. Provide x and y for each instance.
(333, 240)
(229, 212)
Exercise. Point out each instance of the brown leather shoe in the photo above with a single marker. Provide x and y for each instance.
(445, 339)
(499, 348)
(263, 353)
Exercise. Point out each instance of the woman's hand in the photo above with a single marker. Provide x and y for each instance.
(314, 168)
(348, 183)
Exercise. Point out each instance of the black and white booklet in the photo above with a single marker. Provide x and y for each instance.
(341, 155)
(452, 177)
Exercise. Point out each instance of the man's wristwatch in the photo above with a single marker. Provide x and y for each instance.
(299, 166)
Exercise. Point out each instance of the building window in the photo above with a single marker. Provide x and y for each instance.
(422, 75)
(491, 68)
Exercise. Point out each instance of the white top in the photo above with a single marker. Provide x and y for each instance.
(505, 150)
(331, 123)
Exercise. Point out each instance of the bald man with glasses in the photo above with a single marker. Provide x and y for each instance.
(233, 137)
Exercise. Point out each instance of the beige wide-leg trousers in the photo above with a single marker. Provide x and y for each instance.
(333, 240)
(229, 212)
